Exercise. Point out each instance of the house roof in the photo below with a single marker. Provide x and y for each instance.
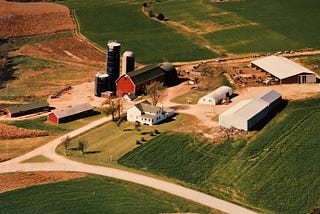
(27, 107)
(280, 67)
(73, 110)
(146, 106)
(146, 73)
(269, 96)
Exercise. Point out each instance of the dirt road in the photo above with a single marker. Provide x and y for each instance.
(59, 163)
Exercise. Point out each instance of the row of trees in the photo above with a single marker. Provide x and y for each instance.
(82, 145)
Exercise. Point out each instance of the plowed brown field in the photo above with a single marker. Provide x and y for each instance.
(27, 19)
(11, 181)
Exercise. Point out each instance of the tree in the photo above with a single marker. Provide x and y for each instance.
(160, 17)
(66, 143)
(155, 90)
(82, 145)
(111, 107)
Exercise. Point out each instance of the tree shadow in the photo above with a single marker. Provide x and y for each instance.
(92, 152)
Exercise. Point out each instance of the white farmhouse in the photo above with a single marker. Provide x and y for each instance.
(216, 96)
(148, 114)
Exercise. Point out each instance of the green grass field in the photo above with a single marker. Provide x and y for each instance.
(152, 41)
(107, 143)
(252, 26)
(276, 171)
(94, 194)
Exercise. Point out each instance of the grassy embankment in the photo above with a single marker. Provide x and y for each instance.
(242, 27)
(276, 171)
(31, 78)
(151, 41)
(93, 193)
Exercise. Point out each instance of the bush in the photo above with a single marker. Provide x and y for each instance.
(156, 131)
(160, 17)
(151, 133)
(143, 139)
(138, 142)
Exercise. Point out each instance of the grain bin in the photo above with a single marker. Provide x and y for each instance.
(113, 64)
(101, 83)
(127, 62)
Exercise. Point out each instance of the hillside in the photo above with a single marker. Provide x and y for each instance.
(276, 171)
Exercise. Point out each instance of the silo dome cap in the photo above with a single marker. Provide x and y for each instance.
(113, 44)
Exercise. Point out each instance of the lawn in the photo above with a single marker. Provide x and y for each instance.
(150, 40)
(107, 143)
(94, 194)
(252, 26)
(276, 171)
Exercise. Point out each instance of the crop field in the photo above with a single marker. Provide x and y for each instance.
(253, 26)
(275, 171)
(151, 41)
(103, 195)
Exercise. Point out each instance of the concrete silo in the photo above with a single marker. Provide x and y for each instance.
(113, 64)
(101, 83)
(127, 62)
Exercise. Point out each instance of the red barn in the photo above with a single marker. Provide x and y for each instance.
(135, 82)
(71, 113)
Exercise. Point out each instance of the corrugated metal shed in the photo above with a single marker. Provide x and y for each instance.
(280, 67)
(73, 110)
(269, 96)
(216, 96)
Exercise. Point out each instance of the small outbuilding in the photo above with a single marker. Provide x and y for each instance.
(285, 70)
(71, 113)
(145, 113)
(216, 96)
(248, 113)
(25, 109)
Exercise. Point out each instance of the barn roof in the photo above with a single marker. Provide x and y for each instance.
(146, 73)
(27, 107)
(73, 110)
(269, 96)
(280, 67)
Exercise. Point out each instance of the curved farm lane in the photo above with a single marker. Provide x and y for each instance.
(59, 163)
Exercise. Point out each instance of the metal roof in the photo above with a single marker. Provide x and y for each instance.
(269, 96)
(247, 109)
(280, 67)
(222, 90)
(73, 110)
(27, 107)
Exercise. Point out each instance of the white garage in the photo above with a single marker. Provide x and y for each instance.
(216, 96)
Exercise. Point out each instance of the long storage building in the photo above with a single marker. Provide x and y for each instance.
(285, 70)
(248, 113)
(28, 108)
(71, 113)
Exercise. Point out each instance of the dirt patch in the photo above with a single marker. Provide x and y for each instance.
(17, 180)
(66, 49)
(27, 19)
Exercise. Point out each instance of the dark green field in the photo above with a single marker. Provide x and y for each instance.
(93, 195)
(276, 171)
(104, 20)
(249, 26)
